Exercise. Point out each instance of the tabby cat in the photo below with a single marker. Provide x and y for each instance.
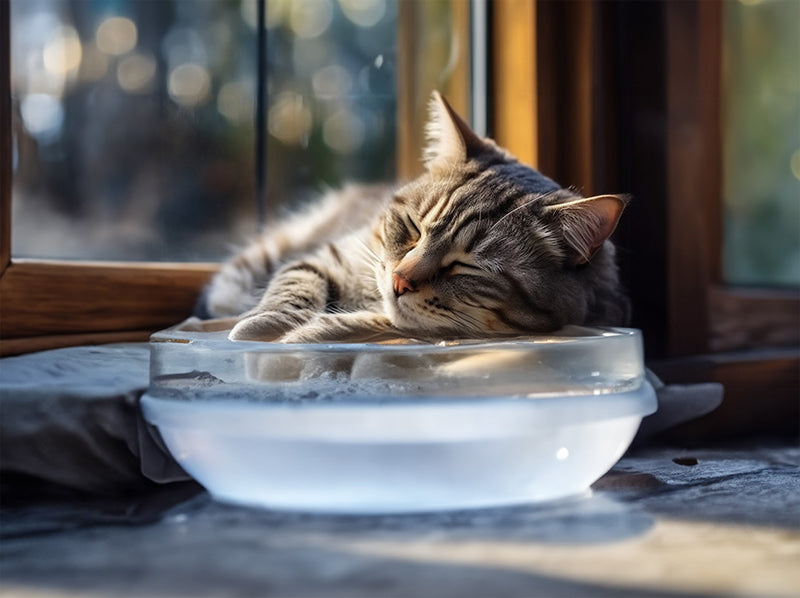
(478, 246)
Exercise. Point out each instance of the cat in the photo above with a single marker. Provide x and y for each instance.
(479, 246)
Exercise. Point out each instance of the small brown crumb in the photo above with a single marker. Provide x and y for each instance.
(685, 460)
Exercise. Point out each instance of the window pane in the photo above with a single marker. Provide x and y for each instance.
(762, 142)
(331, 95)
(134, 121)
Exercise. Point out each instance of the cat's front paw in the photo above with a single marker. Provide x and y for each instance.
(265, 326)
(356, 327)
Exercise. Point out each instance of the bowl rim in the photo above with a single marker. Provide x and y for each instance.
(568, 335)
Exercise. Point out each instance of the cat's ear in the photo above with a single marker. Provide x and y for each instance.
(587, 223)
(450, 140)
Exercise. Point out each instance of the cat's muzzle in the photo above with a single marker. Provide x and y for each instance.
(402, 285)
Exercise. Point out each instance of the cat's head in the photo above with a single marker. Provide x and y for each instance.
(483, 245)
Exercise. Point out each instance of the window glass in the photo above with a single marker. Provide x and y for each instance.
(133, 121)
(762, 142)
(331, 95)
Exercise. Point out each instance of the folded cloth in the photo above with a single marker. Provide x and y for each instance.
(71, 417)
(678, 403)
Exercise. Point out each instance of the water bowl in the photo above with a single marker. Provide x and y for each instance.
(398, 428)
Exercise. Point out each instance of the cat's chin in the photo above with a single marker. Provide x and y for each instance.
(406, 318)
(389, 299)
(392, 309)
(402, 319)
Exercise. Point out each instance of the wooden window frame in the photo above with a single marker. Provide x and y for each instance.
(674, 139)
(5, 138)
(629, 100)
(749, 338)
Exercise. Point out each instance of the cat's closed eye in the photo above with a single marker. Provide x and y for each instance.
(412, 227)
(400, 231)
(458, 267)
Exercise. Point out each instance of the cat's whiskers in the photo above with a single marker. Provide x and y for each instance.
(525, 205)
(465, 325)
(460, 318)
(469, 319)
(367, 252)
(370, 280)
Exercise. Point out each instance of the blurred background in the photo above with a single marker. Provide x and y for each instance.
(761, 134)
(134, 121)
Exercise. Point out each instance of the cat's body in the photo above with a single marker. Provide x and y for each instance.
(478, 246)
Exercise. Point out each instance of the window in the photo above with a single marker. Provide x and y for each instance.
(761, 161)
(135, 125)
(633, 102)
(134, 134)
(133, 129)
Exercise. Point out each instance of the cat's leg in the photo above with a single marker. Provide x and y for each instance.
(354, 327)
(297, 294)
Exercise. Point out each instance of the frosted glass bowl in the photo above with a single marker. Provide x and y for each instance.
(391, 428)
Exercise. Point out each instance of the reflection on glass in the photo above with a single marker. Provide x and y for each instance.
(123, 149)
(134, 121)
(762, 142)
(331, 94)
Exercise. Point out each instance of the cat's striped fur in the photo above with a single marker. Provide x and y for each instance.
(478, 246)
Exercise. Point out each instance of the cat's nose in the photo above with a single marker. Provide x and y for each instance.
(401, 285)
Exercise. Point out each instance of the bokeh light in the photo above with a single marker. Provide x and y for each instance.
(364, 13)
(116, 36)
(235, 101)
(310, 18)
(330, 82)
(62, 53)
(343, 132)
(290, 118)
(43, 115)
(189, 84)
(136, 73)
(277, 12)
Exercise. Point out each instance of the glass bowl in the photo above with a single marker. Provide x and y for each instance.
(392, 428)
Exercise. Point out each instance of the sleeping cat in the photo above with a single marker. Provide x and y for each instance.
(478, 246)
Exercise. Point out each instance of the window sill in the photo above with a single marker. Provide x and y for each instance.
(44, 304)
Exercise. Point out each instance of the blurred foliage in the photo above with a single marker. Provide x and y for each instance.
(762, 142)
(134, 121)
